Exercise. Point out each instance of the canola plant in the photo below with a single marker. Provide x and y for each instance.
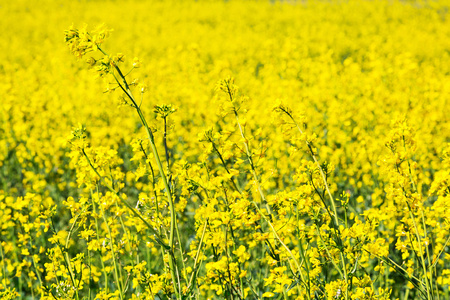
(225, 150)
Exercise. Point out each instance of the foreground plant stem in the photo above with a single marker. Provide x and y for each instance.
(116, 268)
(428, 281)
(322, 174)
(258, 184)
(122, 82)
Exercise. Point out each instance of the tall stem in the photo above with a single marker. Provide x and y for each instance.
(327, 188)
(122, 82)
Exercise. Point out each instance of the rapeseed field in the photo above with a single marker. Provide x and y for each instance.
(225, 149)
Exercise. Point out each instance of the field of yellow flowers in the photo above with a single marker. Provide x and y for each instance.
(225, 149)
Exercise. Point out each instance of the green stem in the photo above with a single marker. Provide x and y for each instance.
(333, 206)
(422, 261)
(3, 266)
(98, 239)
(155, 194)
(172, 261)
(255, 177)
(302, 253)
(194, 271)
(428, 281)
(116, 268)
